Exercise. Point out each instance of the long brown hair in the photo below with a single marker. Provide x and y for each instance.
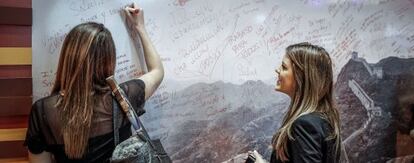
(87, 58)
(312, 69)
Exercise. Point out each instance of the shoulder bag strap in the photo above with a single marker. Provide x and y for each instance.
(115, 121)
(126, 107)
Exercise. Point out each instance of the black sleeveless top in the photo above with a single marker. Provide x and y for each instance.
(310, 144)
(44, 129)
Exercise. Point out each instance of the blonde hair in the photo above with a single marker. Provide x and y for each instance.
(312, 69)
(87, 58)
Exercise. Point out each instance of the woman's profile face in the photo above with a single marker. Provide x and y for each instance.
(285, 78)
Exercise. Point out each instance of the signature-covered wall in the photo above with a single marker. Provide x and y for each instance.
(217, 99)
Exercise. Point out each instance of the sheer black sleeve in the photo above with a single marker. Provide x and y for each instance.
(308, 137)
(35, 140)
(135, 90)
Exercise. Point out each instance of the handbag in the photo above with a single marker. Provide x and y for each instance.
(138, 148)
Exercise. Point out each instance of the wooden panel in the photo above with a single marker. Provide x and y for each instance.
(15, 16)
(13, 122)
(13, 134)
(15, 56)
(14, 149)
(15, 36)
(15, 160)
(17, 105)
(15, 71)
(16, 3)
(15, 87)
(15, 77)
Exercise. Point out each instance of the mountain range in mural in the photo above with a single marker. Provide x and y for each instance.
(376, 104)
(215, 122)
(220, 121)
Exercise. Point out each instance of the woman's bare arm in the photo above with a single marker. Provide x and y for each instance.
(152, 79)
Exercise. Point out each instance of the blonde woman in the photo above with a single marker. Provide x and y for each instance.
(310, 130)
(74, 123)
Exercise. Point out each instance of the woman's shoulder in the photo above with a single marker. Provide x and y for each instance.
(313, 122)
(314, 118)
(47, 101)
(135, 91)
(133, 86)
(132, 82)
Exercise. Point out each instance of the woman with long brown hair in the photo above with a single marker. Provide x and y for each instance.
(74, 123)
(310, 130)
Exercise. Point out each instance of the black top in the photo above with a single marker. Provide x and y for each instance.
(310, 144)
(44, 130)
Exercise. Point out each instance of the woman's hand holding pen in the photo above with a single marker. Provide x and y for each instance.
(254, 156)
(135, 17)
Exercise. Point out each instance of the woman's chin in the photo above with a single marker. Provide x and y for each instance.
(277, 88)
